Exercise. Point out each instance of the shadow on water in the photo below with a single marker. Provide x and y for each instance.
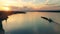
(1, 27)
(4, 16)
(41, 30)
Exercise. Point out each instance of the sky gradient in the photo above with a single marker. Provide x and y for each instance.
(35, 4)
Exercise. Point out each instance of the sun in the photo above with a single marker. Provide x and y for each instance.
(6, 3)
(4, 8)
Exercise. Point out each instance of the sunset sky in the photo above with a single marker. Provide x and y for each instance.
(35, 4)
(31, 19)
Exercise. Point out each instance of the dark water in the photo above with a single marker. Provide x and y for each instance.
(32, 23)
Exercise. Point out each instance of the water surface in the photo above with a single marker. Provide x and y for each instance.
(32, 23)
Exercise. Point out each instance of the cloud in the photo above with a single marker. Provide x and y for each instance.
(31, 3)
(50, 8)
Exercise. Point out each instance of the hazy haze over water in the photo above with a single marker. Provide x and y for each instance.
(32, 20)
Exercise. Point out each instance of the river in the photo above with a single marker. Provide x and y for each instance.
(32, 23)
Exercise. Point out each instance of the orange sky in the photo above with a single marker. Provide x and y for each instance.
(35, 4)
